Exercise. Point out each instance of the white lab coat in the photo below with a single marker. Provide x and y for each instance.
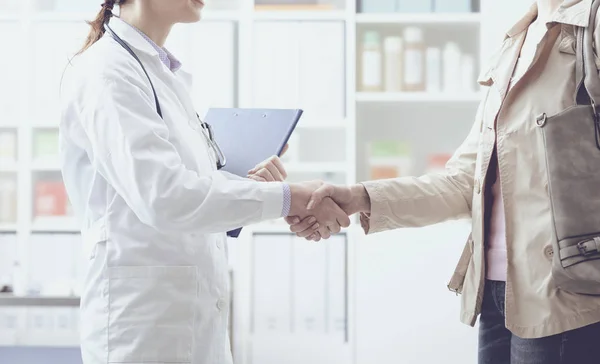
(154, 210)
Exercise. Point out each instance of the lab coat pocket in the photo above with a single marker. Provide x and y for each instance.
(151, 313)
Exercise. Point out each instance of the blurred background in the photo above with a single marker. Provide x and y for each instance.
(388, 88)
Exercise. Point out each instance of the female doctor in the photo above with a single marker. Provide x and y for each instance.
(141, 171)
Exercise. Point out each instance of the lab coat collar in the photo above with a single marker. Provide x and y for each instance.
(134, 39)
(572, 12)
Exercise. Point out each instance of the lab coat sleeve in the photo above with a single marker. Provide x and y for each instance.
(129, 146)
(429, 199)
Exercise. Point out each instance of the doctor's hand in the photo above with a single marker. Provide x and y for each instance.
(351, 199)
(322, 220)
(269, 170)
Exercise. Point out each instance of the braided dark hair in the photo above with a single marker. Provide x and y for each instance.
(97, 24)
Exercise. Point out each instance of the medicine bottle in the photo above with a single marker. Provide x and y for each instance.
(371, 60)
(414, 60)
(392, 80)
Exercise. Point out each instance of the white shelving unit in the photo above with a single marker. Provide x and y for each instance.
(234, 41)
(416, 97)
(424, 18)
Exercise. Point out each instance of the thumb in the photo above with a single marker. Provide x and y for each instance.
(318, 195)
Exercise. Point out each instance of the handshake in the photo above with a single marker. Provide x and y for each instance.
(319, 210)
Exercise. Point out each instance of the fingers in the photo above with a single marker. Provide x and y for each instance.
(318, 196)
(343, 220)
(257, 178)
(271, 170)
(303, 228)
(292, 220)
(274, 170)
(308, 231)
(279, 165)
(265, 174)
(334, 228)
(314, 237)
(309, 223)
(324, 231)
(284, 150)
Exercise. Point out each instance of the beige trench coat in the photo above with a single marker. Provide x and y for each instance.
(534, 306)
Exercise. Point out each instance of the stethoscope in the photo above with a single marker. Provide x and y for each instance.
(205, 128)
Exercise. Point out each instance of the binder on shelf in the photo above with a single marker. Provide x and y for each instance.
(50, 199)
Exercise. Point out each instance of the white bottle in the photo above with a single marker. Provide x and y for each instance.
(371, 62)
(452, 68)
(393, 64)
(467, 73)
(433, 71)
(414, 60)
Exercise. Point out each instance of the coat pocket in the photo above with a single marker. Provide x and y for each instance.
(151, 314)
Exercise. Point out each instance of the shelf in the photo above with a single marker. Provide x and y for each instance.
(16, 301)
(416, 97)
(299, 15)
(317, 167)
(8, 228)
(85, 16)
(49, 165)
(58, 224)
(426, 18)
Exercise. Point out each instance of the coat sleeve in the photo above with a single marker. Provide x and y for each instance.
(429, 199)
(129, 146)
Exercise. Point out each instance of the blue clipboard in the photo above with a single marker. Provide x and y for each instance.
(249, 136)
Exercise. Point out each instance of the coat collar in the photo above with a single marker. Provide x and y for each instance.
(132, 37)
(136, 41)
(571, 12)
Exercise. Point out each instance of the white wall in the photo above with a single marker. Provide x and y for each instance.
(404, 312)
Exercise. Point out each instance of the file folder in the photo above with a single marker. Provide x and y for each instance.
(249, 136)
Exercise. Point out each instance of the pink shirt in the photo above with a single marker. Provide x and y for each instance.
(496, 235)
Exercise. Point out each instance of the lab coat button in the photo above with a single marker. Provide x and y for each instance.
(221, 304)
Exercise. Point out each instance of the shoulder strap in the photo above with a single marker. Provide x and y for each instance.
(586, 63)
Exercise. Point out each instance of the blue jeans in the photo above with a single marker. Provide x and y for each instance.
(497, 345)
